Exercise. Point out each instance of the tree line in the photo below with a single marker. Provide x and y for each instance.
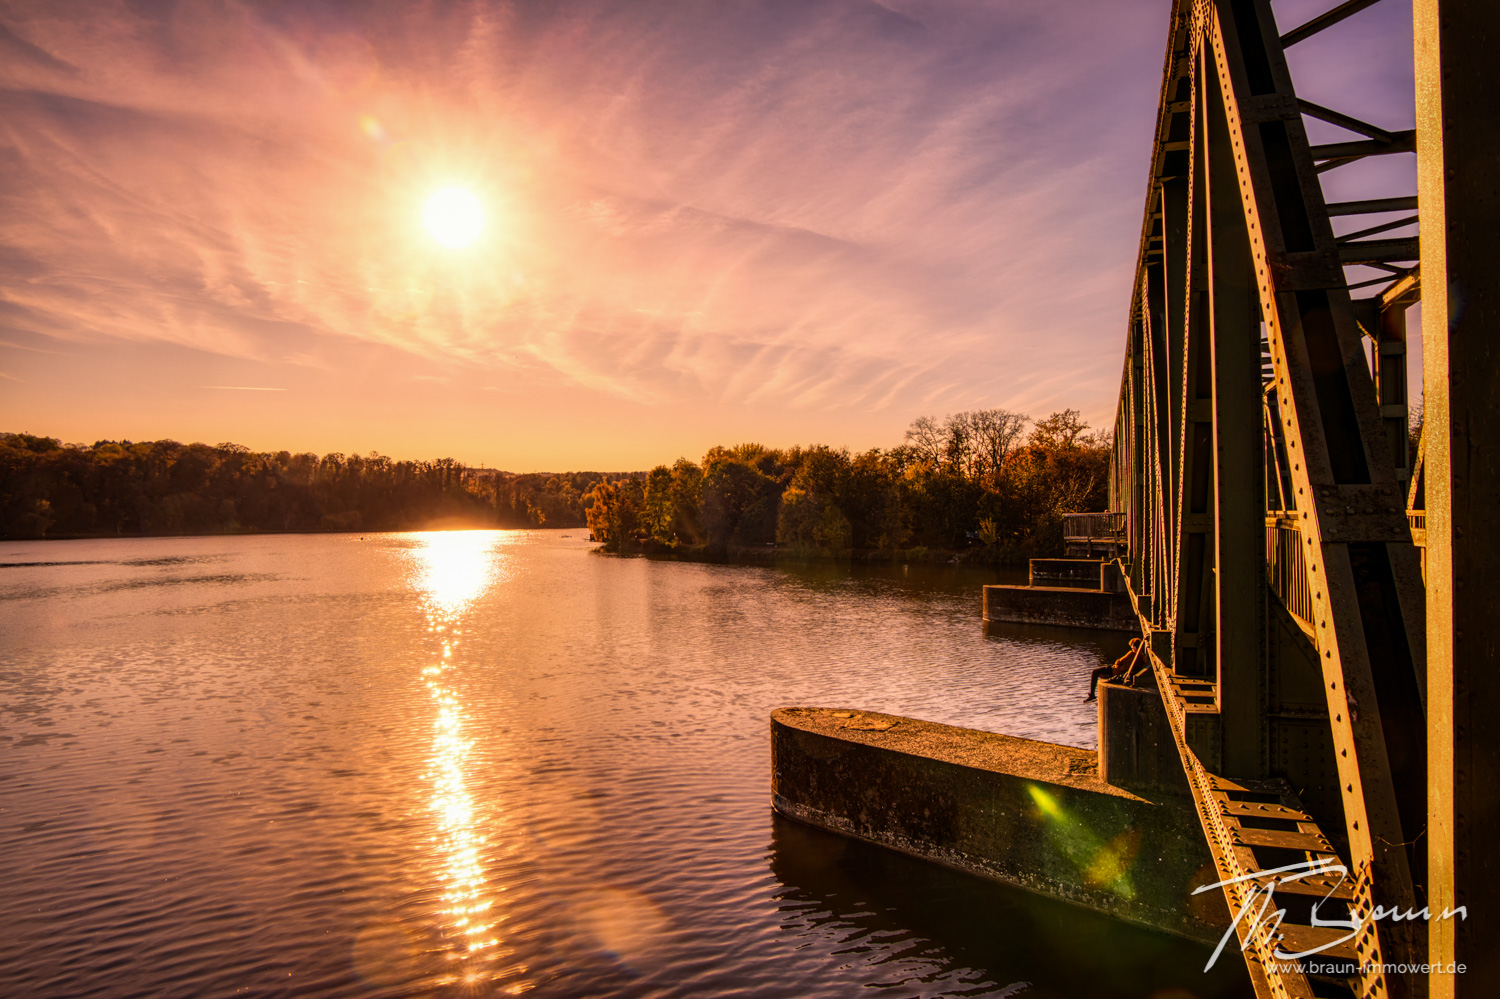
(970, 480)
(51, 489)
(990, 480)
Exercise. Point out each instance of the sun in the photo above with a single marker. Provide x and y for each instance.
(454, 216)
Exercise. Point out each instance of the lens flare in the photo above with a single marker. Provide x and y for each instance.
(1103, 864)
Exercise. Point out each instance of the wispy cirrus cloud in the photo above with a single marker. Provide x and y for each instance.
(838, 206)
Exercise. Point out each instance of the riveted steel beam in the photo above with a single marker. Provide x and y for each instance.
(1194, 643)
(1458, 117)
(1399, 142)
(1373, 205)
(1326, 20)
(1238, 467)
(1345, 121)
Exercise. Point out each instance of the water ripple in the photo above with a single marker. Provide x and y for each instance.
(497, 764)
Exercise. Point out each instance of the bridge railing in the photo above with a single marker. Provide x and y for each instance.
(1416, 522)
(1094, 526)
(1286, 566)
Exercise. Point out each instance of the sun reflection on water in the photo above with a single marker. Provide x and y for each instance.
(452, 570)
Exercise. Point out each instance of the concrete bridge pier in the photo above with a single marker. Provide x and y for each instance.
(1072, 592)
(1031, 814)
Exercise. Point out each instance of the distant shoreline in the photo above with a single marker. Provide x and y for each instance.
(738, 554)
(136, 536)
(767, 554)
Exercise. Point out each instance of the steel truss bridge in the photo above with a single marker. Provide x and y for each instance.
(1330, 703)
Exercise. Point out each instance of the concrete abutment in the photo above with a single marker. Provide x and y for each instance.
(1034, 815)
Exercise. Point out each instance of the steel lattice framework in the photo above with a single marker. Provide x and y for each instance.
(1261, 463)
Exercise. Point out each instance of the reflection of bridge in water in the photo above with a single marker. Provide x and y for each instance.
(1318, 609)
(1324, 699)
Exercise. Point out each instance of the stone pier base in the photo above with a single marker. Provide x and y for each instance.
(1064, 605)
(1031, 814)
(1136, 747)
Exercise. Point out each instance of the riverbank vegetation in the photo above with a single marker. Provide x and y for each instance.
(990, 484)
(978, 483)
(49, 489)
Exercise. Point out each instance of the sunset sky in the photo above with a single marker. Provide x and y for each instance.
(706, 221)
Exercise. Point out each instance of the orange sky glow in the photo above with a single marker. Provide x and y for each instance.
(703, 223)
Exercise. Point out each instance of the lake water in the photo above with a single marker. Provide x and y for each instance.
(496, 763)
